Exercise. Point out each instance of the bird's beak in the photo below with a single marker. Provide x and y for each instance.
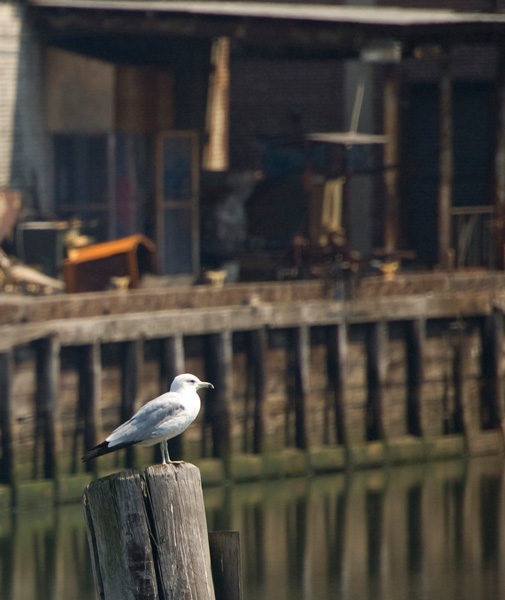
(205, 384)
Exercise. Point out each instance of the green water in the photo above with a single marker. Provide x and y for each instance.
(425, 532)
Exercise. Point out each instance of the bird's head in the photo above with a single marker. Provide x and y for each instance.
(186, 381)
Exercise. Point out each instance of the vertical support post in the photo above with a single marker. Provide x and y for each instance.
(377, 357)
(119, 538)
(172, 364)
(257, 356)
(131, 368)
(48, 373)
(337, 376)
(416, 336)
(463, 419)
(90, 389)
(223, 395)
(492, 369)
(225, 561)
(391, 103)
(446, 165)
(302, 388)
(7, 470)
(499, 163)
(179, 529)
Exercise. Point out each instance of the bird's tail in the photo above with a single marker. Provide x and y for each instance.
(101, 449)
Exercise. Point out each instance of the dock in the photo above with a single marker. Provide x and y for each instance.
(303, 382)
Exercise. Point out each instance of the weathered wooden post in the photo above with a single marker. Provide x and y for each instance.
(148, 537)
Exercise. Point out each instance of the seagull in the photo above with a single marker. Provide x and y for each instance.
(157, 421)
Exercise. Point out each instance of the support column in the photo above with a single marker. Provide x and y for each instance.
(446, 167)
(47, 393)
(172, 364)
(223, 395)
(416, 336)
(258, 345)
(499, 164)
(7, 421)
(377, 357)
(392, 201)
(90, 390)
(131, 368)
(302, 388)
(337, 376)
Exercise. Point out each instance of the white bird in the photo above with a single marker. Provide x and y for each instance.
(157, 421)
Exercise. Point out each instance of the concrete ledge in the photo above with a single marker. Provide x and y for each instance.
(70, 488)
(367, 455)
(407, 449)
(326, 459)
(448, 446)
(246, 467)
(34, 494)
(211, 471)
(288, 463)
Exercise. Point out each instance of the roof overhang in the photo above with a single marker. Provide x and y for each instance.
(264, 27)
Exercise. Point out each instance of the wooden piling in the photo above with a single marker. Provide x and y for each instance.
(7, 461)
(225, 560)
(416, 339)
(172, 363)
(257, 359)
(223, 396)
(337, 376)
(301, 347)
(148, 535)
(446, 160)
(47, 394)
(131, 365)
(492, 368)
(118, 536)
(90, 384)
(377, 357)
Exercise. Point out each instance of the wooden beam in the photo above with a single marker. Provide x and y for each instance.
(377, 361)
(337, 376)
(161, 324)
(179, 531)
(132, 361)
(391, 159)
(446, 168)
(90, 391)
(301, 349)
(47, 399)
(7, 421)
(221, 406)
(416, 339)
(172, 364)
(499, 162)
(119, 537)
(225, 561)
(492, 394)
(258, 345)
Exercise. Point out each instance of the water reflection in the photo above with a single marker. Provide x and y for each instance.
(419, 532)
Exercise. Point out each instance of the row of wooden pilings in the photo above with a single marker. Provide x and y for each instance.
(87, 337)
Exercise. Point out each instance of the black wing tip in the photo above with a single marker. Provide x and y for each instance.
(96, 451)
(102, 449)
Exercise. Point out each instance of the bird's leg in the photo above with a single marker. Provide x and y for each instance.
(164, 452)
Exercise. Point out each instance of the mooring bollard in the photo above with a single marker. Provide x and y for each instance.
(148, 537)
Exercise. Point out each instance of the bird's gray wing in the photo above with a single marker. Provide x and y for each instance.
(145, 421)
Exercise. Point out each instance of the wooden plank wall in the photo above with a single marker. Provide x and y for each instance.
(278, 386)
